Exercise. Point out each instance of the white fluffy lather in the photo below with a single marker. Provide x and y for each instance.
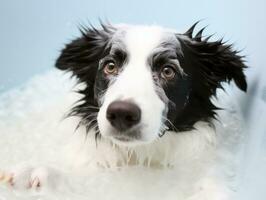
(188, 165)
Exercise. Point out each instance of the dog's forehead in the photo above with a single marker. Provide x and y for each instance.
(144, 40)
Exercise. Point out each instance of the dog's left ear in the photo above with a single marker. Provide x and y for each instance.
(214, 62)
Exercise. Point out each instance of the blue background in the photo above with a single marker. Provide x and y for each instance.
(32, 32)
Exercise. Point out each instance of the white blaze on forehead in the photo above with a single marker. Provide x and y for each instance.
(140, 41)
(135, 82)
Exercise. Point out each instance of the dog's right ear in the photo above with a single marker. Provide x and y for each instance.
(82, 55)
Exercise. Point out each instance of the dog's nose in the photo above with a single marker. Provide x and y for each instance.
(123, 114)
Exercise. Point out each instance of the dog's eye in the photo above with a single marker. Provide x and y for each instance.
(110, 68)
(168, 72)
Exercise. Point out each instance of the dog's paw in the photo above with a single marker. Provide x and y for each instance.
(29, 177)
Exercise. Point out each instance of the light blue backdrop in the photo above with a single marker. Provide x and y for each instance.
(32, 32)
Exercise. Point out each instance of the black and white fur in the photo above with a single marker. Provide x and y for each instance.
(141, 52)
(176, 124)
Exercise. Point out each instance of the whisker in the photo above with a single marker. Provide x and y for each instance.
(93, 107)
(94, 115)
(171, 124)
(162, 130)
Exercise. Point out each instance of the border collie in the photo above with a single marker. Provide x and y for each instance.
(146, 94)
(144, 81)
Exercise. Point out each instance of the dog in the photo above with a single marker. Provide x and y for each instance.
(146, 95)
(143, 81)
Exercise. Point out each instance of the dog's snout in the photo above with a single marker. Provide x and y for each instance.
(123, 114)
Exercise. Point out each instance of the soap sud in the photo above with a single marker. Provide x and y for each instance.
(28, 136)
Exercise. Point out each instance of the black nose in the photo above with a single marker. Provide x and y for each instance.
(123, 114)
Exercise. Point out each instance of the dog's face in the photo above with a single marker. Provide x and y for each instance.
(142, 63)
(141, 81)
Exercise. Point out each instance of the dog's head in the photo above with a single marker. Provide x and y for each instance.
(142, 80)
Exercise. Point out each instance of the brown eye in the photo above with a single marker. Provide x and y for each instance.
(110, 68)
(168, 72)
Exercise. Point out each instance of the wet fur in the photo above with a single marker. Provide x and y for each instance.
(207, 64)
